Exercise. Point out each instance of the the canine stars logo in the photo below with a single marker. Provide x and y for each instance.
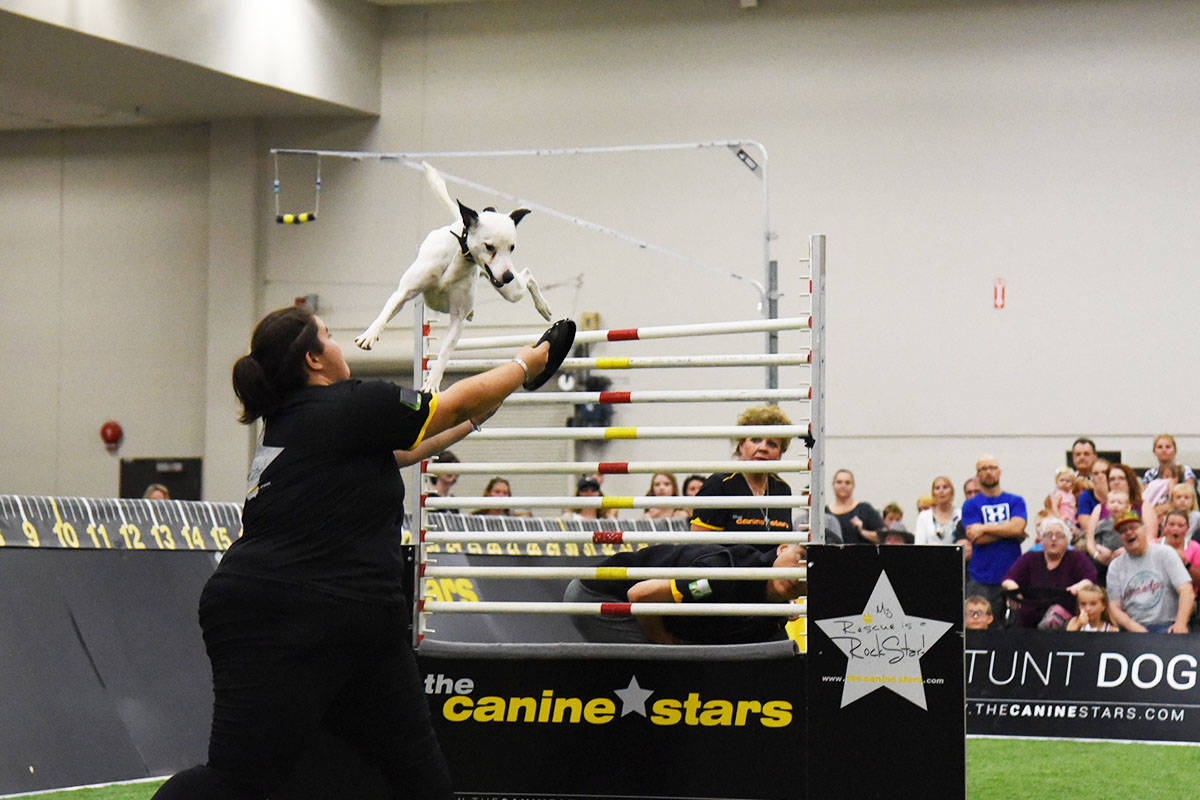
(883, 646)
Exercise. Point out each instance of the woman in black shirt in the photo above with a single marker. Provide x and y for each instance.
(305, 618)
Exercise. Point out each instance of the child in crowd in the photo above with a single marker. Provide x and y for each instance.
(893, 516)
(1183, 498)
(977, 612)
(1063, 499)
(1093, 610)
(1157, 492)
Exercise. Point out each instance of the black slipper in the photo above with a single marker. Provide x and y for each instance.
(561, 336)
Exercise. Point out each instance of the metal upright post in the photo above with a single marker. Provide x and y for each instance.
(772, 313)
(414, 477)
(816, 493)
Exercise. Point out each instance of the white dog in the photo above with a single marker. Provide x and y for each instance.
(445, 267)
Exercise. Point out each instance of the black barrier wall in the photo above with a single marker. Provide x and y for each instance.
(1083, 685)
(105, 676)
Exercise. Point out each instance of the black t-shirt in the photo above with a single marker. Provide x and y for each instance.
(867, 514)
(702, 630)
(325, 499)
(754, 520)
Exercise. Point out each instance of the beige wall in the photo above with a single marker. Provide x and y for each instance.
(939, 146)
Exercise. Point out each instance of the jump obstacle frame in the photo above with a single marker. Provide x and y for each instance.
(809, 497)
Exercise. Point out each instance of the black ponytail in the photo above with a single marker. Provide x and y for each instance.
(275, 365)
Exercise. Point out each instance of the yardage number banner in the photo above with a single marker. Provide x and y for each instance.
(117, 524)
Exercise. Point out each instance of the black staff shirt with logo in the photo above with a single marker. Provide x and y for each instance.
(325, 499)
(744, 520)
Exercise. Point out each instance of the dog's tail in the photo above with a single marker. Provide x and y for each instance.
(439, 188)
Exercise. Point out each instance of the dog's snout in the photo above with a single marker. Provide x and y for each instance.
(507, 277)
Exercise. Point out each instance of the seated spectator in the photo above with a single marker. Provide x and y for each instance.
(1183, 498)
(1122, 478)
(496, 487)
(893, 516)
(741, 484)
(156, 491)
(924, 502)
(662, 484)
(1148, 587)
(1175, 528)
(895, 536)
(1165, 452)
(1093, 613)
(692, 484)
(1091, 504)
(1050, 577)
(977, 613)
(673, 629)
(970, 489)
(1104, 542)
(588, 486)
(860, 522)
(442, 484)
(936, 524)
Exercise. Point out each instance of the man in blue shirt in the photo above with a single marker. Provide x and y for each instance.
(995, 524)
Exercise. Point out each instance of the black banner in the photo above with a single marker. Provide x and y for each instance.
(885, 673)
(1083, 685)
(715, 725)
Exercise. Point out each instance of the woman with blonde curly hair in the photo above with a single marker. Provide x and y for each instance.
(741, 484)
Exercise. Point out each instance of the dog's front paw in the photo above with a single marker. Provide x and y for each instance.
(432, 383)
(367, 338)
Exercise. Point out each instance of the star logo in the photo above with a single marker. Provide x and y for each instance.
(883, 646)
(633, 698)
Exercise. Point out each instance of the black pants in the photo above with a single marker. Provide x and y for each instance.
(290, 665)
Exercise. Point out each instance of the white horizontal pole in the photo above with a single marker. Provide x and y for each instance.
(646, 333)
(609, 537)
(660, 396)
(748, 501)
(612, 467)
(621, 573)
(798, 609)
(649, 362)
(366, 155)
(660, 432)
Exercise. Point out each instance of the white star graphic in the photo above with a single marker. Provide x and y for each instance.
(633, 698)
(883, 646)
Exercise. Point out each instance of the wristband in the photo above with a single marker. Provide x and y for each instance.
(475, 428)
(524, 367)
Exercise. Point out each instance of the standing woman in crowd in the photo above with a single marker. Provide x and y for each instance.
(935, 525)
(305, 618)
(1164, 453)
(860, 522)
(742, 484)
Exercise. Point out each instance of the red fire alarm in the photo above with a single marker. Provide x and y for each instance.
(111, 434)
(998, 294)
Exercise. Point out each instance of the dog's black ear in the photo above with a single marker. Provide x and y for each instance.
(518, 214)
(469, 217)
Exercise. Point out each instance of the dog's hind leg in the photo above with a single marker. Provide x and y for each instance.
(433, 381)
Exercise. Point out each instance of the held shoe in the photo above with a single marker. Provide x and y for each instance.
(561, 336)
